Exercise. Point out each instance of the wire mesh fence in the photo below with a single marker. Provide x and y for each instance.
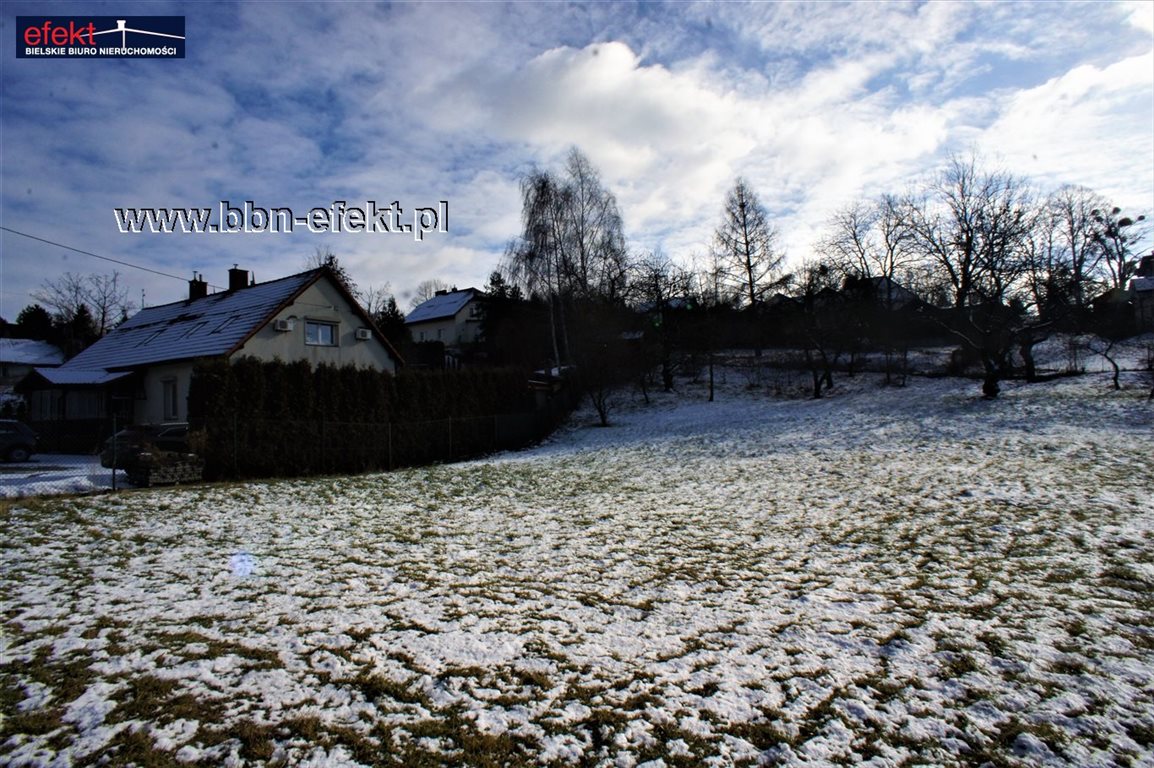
(56, 473)
(252, 448)
(236, 448)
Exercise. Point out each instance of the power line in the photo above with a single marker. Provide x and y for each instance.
(96, 255)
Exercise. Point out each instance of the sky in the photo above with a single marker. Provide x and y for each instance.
(299, 105)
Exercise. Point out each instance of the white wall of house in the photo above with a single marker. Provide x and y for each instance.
(163, 395)
(323, 330)
(462, 328)
(435, 330)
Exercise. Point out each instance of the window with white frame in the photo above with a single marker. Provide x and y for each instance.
(320, 334)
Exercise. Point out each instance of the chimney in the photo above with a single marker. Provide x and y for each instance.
(197, 288)
(441, 292)
(237, 278)
(1146, 266)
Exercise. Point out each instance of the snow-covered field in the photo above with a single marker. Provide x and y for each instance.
(884, 577)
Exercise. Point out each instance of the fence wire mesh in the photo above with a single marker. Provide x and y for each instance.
(253, 448)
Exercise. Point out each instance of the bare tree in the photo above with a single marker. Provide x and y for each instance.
(820, 325)
(705, 277)
(1071, 213)
(103, 298)
(850, 242)
(746, 244)
(63, 296)
(972, 224)
(1118, 236)
(375, 298)
(323, 256)
(871, 240)
(427, 289)
(108, 301)
(572, 247)
(535, 259)
(658, 284)
(872, 245)
(592, 246)
(975, 227)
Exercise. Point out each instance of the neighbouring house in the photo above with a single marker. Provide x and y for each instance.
(17, 359)
(452, 318)
(141, 370)
(19, 356)
(1131, 307)
(1142, 294)
(880, 291)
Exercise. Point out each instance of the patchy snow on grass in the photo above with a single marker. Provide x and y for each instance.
(885, 576)
(48, 474)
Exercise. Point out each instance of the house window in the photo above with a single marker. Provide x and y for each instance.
(195, 329)
(227, 322)
(320, 334)
(168, 389)
(150, 337)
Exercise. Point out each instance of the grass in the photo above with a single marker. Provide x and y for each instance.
(730, 596)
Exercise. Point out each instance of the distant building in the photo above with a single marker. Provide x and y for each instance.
(881, 291)
(452, 318)
(1133, 304)
(19, 356)
(1142, 294)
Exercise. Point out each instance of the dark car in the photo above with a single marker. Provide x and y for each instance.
(17, 440)
(124, 449)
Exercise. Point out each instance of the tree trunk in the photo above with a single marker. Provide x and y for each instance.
(711, 377)
(600, 398)
(1027, 351)
(991, 382)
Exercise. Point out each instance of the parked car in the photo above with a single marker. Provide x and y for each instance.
(124, 449)
(17, 440)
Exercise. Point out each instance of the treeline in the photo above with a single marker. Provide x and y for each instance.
(976, 257)
(72, 311)
(253, 418)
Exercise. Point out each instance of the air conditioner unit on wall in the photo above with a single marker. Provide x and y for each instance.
(364, 334)
(283, 325)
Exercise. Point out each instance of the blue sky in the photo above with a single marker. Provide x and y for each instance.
(298, 104)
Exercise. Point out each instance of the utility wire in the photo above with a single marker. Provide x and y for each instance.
(97, 255)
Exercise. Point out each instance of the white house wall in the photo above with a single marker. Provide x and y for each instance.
(149, 405)
(320, 302)
(435, 330)
(463, 328)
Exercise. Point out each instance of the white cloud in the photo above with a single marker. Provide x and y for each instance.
(1090, 126)
(1141, 15)
(815, 103)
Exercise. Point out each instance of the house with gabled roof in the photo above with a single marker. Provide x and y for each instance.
(450, 317)
(1142, 294)
(19, 356)
(142, 369)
